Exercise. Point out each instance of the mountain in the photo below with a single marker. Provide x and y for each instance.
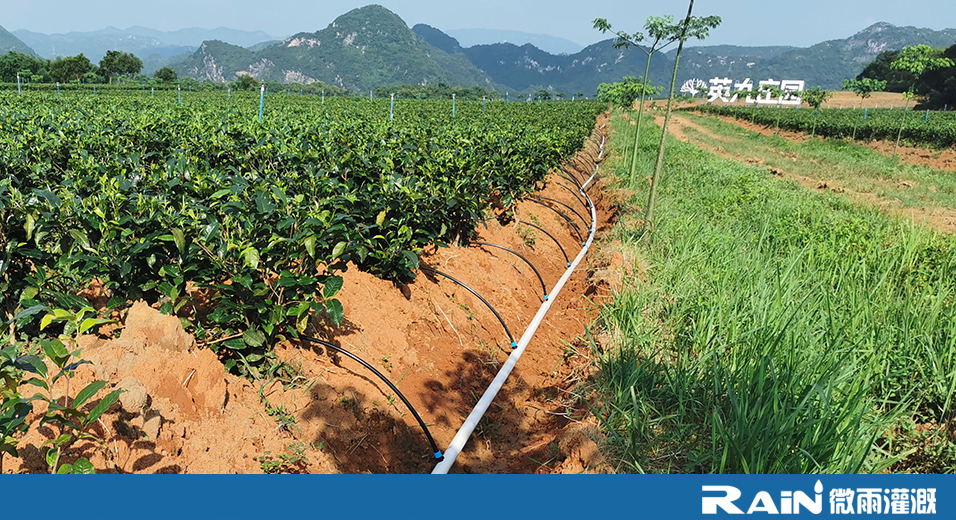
(140, 41)
(193, 37)
(826, 64)
(437, 38)
(365, 48)
(372, 47)
(545, 42)
(9, 42)
(214, 61)
(528, 67)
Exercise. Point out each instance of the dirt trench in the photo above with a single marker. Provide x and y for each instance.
(182, 413)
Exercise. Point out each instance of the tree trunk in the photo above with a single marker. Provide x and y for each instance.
(655, 178)
(640, 119)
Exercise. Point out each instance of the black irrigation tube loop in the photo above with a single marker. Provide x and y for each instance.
(431, 440)
(572, 210)
(573, 178)
(543, 287)
(574, 227)
(569, 178)
(566, 259)
(573, 193)
(514, 343)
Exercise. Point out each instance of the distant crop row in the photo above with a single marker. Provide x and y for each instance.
(937, 130)
(153, 198)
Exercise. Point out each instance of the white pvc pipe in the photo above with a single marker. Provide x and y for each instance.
(468, 427)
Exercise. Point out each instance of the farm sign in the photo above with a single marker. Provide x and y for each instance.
(720, 90)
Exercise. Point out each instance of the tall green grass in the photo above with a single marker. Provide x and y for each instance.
(779, 330)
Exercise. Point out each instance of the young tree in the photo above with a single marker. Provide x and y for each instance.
(864, 87)
(664, 32)
(816, 96)
(691, 27)
(624, 93)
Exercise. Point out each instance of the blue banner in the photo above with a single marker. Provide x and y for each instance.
(464, 497)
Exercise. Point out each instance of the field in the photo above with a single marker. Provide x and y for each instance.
(774, 325)
(254, 242)
(926, 129)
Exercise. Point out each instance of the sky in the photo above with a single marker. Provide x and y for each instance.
(745, 22)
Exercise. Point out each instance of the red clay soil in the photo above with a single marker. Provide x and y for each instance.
(182, 413)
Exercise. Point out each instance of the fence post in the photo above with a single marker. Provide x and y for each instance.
(262, 98)
(391, 110)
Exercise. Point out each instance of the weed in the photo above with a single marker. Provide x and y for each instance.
(387, 364)
(293, 460)
(470, 314)
(352, 404)
(285, 419)
(527, 235)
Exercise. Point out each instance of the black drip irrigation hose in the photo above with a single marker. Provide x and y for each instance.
(572, 192)
(572, 210)
(543, 287)
(431, 440)
(573, 178)
(574, 227)
(566, 259)
(514, 344)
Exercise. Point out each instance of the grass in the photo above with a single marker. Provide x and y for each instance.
(779, 330)
(855, 167)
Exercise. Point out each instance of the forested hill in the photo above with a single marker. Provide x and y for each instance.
(826, 64)
(363, 49)
(9, 42)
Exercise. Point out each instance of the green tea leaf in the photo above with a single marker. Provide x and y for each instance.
(50, 458)
(254, 338)
(32, 364)
(103, 406)
(335, 311)
(83, 466)
(55, 349)
(92, 322)
(309, 243)
(83, 240)
(88, 392)
(36, 309)
(338, 250)
(332, 286)
(180, 239)
(251, 257)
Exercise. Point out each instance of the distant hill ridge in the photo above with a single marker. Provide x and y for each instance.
(9, 42)
(373, 47)
(363, 49)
